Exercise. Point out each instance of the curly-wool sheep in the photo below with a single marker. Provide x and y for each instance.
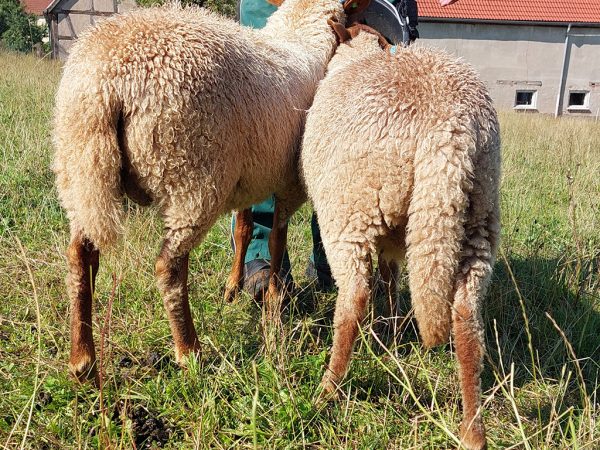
(403, 152)
(187, 110)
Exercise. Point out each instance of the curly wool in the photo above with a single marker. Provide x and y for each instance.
(187, 109)
(402, 153)
(401, 140)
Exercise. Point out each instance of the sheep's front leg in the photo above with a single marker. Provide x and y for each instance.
(385, 313)
(242, 235)
(83, 260)
(172, 275)
(392, 251)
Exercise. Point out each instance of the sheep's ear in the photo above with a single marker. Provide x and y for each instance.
(275, 2)
(383, 43)
(354, 30)
(352, 7)
(357, 28)
(339, 30)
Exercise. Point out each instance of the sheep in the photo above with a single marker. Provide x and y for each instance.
(189, 111)
(401, 157)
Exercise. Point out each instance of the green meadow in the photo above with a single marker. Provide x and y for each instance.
(542, 318)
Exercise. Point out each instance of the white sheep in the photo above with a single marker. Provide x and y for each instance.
(403, 152)
(192, 112)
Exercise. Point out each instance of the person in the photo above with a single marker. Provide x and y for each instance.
(397, 21)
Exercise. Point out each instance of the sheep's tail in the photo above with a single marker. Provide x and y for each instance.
(443, 176)
(87, 162)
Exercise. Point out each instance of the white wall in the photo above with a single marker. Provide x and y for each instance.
(524, 57)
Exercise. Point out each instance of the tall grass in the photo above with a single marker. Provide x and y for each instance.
(542, 319)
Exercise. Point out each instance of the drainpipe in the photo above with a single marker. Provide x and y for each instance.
(561, 84)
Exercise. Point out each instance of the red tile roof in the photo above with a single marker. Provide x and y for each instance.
(36, 7)
(587, 11)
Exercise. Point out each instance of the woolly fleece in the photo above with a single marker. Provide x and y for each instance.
(197, 113)
(403, 152)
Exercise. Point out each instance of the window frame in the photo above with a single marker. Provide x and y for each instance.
(532, 106)
(586, 100)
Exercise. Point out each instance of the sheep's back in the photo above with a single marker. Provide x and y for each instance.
(419, 87)
(369, 117)
(198, 94)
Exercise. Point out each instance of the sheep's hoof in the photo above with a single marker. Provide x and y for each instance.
(84, 370)
(183, 355)
(328, 390)
(273, 300)
(473, 437)
(231, 292)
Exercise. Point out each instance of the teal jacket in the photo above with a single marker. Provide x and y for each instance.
(254, 13)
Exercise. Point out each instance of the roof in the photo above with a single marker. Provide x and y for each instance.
(52, 4)
(567, 11)
(36, 7)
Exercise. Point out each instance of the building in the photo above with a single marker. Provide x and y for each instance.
(68, 18)
(36, 8)
(534, 55)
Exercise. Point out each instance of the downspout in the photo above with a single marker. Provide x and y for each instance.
(561, 84)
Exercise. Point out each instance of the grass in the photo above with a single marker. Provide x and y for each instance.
(542, 320)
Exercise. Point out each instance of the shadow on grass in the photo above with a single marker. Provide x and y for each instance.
(518, 309)
(542, 322)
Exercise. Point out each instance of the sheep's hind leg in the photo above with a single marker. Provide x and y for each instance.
(468, 341)
(172, 275)
(385, 313)
(242, 235)
(83, 260)
(352, 272)
(473, 277)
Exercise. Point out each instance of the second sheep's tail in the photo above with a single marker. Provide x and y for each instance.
(87, 161)
(442, 182)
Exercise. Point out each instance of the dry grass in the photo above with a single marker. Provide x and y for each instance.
(543, 320)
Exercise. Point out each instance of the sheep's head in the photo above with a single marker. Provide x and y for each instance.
(307, 20)
(356, 41)
(306, 11)
(359, 35)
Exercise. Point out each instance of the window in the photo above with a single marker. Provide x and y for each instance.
(526, 100)
(579, 100)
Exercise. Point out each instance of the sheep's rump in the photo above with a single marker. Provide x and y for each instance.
(182, 93)
(403, 99)
(405, 144)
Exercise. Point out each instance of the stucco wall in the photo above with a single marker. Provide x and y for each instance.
(525, 57)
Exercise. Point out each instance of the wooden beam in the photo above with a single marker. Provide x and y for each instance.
(54, 35)
(71, 27)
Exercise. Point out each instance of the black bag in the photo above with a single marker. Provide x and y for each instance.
(397, 21)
